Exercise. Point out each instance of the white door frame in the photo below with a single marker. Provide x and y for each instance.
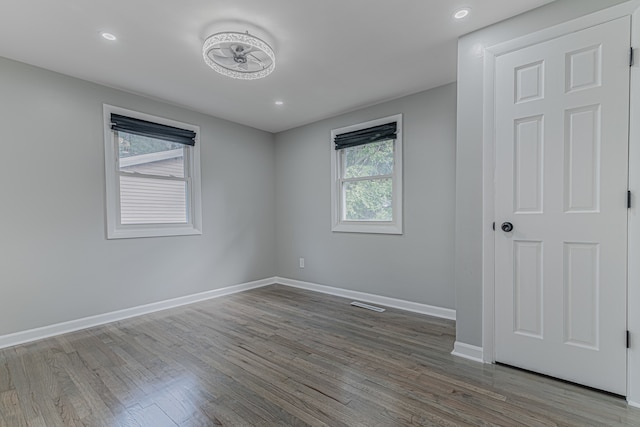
(488, 166)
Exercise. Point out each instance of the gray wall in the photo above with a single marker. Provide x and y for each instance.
(56, 265)
(416, 266)
(55, 262)
(468, 227)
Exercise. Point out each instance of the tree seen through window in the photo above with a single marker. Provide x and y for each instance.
(367, 185)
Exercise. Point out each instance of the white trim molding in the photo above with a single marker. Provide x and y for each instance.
(192, 180)
(100, 319)
(488, 214)
(633, 287)
(468, 351)
(338, 223)
(415, 307)
(30, 335)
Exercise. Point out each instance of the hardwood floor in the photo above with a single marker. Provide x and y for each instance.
(280, 356)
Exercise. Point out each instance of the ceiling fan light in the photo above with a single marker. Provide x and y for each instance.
(241, 67)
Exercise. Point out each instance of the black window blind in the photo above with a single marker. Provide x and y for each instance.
(152, 130)
(366, 136)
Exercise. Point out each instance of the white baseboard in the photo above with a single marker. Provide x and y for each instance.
(22, 337)
(468, 351)
(100, 319)
(633, 404)
(445, 313)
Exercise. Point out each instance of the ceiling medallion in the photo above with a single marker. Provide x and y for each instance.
(239, 55)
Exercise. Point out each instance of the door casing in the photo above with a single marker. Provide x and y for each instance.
(630, 8)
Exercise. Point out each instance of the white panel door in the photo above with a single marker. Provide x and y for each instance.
(561, 181)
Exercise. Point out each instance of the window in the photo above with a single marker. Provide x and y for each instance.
(152, 169)
(366, 170)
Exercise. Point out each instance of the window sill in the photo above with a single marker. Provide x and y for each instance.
(371, 228)
(133, 232)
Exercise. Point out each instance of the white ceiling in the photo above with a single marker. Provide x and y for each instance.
(332, 56)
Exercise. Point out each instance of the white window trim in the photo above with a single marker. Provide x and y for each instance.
(375, 227)
(115, 230)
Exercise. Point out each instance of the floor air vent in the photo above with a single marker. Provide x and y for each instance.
(367, 306)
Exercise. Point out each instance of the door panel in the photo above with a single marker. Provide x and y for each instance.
(561, 180)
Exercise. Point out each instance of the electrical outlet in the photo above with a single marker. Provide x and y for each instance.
(301, 262)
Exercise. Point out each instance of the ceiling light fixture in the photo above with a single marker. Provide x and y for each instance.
(462, 13)
(279, 102)
(239, 55)
(108, 36)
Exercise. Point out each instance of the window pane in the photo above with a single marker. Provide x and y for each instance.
(369, 160)
(368, 200)
(152, 201)
(150, 156)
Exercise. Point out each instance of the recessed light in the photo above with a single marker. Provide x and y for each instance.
(462, 13)
(279, 102)
(108, 36)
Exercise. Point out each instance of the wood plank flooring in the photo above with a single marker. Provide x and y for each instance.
(278, 356)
